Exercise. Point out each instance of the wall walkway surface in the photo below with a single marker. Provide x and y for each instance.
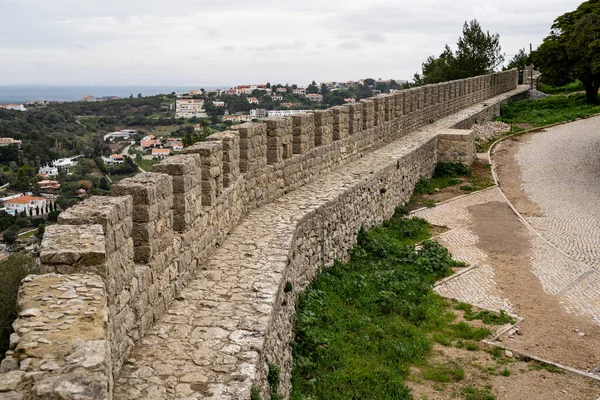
(190, 263)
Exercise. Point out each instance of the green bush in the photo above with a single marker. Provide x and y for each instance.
(10, 235)
(451, 170)
(53, 216)
(12, 270)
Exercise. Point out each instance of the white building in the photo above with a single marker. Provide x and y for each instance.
(252, 100)
(259, 113)
(315, 97)
(123, 134)
(300, 91)
(285, 113)
(159, 154)
(64, 164)
(114, 159)
(219, 103)
(16, 107)
(275, 97)
(188, 108)
(7, 141)
(48, 171)
(26, 203)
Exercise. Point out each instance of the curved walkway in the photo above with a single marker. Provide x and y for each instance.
(547, 270)
(561, 174)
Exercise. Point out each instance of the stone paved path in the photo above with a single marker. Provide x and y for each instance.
(206, 337)
(205, 347)
(577, 284)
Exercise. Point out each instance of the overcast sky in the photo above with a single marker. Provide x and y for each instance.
(224, 42)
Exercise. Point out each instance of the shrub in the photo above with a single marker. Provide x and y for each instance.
(12, 270)
(10, 235)
(53, 216)
(451, 170)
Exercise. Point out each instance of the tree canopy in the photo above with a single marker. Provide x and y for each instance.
(477, 53)
(572, 50)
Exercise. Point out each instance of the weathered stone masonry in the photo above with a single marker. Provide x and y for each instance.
(142, 247)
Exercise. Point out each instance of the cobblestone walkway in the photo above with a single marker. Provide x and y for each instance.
(561, 174)
(478, 285)
(576, 284)
(195, 350)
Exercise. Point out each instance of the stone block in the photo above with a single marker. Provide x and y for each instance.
(211, 161)
(74, 248)
(231, 155)
(152, 212)
(323, 127)
(303, 133)
(355, 118)
(340, 122)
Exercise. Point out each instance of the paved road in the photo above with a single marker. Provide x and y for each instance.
(561, 174)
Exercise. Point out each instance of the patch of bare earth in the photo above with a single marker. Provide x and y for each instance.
(509, 175)
(501, 377)
(548, 331)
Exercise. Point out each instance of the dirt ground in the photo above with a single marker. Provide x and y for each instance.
(548, 331)
(502, 377)
(509, 174)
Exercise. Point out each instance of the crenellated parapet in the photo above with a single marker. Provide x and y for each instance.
(127, 256)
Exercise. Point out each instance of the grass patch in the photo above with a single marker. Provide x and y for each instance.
(146, 165)
(360, 325)
(576, 86)
(505, 372)
(12, 270)
(444, 373)
(547, 111)
(472, 393)
(537, 366)
(468, 345)
(27, 235)
(487, 317)
(448, 175)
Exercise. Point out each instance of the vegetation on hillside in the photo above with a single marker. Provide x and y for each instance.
(572, 50)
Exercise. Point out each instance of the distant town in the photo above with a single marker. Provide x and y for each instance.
(55, 154)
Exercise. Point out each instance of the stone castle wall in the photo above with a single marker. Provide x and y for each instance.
(149, 240)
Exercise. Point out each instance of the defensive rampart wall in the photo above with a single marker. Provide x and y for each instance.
(118, 262)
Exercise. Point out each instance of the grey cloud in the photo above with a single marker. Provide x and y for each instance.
(278, 47)
(349, 45)
(149, 41)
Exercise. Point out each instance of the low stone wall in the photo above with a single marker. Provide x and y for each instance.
(162, 226)
(324, 235)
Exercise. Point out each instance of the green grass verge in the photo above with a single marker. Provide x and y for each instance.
(570, 88)
(146, 165)
(547, 111)
(27, 235)
(360, 325)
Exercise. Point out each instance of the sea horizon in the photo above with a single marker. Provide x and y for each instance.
(29, 92)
